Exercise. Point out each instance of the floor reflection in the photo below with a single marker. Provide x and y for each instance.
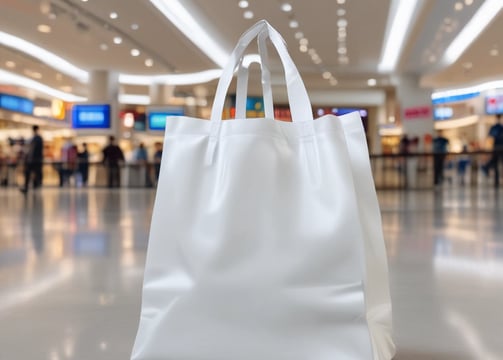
(71, 265)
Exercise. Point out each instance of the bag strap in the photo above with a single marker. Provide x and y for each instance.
(242, 83)
(300, 106)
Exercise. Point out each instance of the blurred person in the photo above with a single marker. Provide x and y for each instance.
(157, 160)
(83, 167)
(440, 150)
(464, 160)
(112, 158)
(496, 133)
(4, 180)
(140, 154)
(33, 161)
(140, 157)
(68, 162)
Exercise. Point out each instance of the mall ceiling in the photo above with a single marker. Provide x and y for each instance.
(344, 39)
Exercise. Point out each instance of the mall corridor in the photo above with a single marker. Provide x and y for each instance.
(71, 266)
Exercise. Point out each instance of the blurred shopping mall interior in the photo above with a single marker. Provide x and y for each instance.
(72, 248)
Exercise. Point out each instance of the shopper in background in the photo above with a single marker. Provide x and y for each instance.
(83, 168)
(496, 132)
(33, 161)
(68, 162)
(3, 167)
(140, 154)
(440, 149)
(157, 160)
(112, 159)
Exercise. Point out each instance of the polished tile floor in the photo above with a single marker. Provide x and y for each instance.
(71, 264)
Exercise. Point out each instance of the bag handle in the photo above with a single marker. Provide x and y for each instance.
(242, 83)
(300, 106)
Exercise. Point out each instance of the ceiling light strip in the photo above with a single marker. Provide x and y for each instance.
(175, 12)
(490, 85)
(44, 56)
(400, 21)
(15, 79)
(477, 24)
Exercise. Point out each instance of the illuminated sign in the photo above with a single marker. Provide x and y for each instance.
(91, 116)
(442, 113)
(157, 118)
(16, 103)
(494, 104)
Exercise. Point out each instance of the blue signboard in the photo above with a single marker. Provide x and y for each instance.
(16, 103)
(95, 116)
(157, 119)
(454, 98)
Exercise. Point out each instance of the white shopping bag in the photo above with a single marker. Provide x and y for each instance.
(257, 249)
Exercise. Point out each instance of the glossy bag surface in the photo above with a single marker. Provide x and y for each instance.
(256, 248)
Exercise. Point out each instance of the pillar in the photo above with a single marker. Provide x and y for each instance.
(161, 94)
(416, 113)
(104, 89)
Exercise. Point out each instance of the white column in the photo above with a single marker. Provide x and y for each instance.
(416, 113)
(160, 94)
(104, 89)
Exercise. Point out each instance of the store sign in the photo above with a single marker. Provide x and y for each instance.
(91, 116)
(494, 104)
(16, 103)
(157, 118)
(443, 113)
(417, 112)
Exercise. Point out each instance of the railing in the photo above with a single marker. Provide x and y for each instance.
(391, 171)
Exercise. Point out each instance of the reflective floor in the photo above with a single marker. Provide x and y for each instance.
(71, 264)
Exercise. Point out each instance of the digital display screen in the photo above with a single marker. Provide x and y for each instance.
(494, 104)
(16, 103)
(442, 113)
(91, 116)
(157, 119)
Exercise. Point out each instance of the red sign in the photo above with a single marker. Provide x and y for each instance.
(417, 112)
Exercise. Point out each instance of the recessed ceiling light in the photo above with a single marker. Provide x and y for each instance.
(315, 56)
(84, 0)
(294, 24)
(494, 52)
(104, 47)
(303, 48)
(342, 23)
(149, 62)
(10, 64)
(342, 50)
(33, 74)
(371, 82)
(458, 6)
(44, 28)
(341, 12)
(311, 52)
(135, 26)
(135, 52)
(333, 81)
(327, 75)
(317, 61)
(117, 40)
(303, 41)
(243, 4)
(248, 14)
(286, 7)
(113, 15)
(340, 2)
(299, 35)
(468, 2)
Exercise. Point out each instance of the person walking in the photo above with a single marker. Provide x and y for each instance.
(83, 167)
(112, 158)
(440, 149)
(496, 132)
(33, 161)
